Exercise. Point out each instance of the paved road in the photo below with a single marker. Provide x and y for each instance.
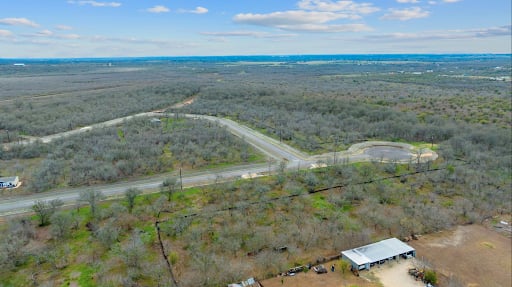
(17, 205)
(274, 149)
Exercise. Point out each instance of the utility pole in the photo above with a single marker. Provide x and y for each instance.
(181, 180)
(270, 162)
(334, 149)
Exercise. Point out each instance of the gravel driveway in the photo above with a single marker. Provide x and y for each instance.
(395, 274)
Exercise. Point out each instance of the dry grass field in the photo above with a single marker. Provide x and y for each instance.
(311, 279)
(476, 255)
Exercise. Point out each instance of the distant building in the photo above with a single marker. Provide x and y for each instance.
(155, 121)
(251, 282)
(9, 182)
(377, 253)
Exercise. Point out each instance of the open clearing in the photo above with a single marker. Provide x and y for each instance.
(395, 274)
(311, 279)
(474, 254)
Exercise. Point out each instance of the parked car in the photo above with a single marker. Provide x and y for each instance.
(320, 269)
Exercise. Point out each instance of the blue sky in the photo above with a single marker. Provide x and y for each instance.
(117, 28)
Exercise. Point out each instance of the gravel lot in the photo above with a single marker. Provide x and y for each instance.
(395, 274)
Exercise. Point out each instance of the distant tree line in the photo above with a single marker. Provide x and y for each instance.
(58, 114)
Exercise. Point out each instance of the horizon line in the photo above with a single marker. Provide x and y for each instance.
(256, 55)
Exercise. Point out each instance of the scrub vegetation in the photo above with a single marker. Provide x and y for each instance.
(230, 231)
(135, 148)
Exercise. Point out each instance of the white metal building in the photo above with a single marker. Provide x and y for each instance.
(9, 182)
(377, 253)
(251, 282)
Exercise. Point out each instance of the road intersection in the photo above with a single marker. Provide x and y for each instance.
(276, 152)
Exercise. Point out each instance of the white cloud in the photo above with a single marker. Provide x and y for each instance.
(501, 31)
(158, 9)
(247, 34)
(104, 39)
(95, 3)
(63, 27)
(69, 36)
(45, 33)
(405, 14)
(200, 10)
(337, 6)
(18, 22)
(289, 18)
(44, 42)
(301, 21)
(330, 28)
(234, 34)
(313, 16)
(432, 2)
(407, 1)
(5, 33)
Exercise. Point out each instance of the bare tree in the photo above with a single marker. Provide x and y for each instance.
(12, 252)
(130, 195)
(45, 209)
(92, 197)
(61, 224)
(311, 181)
(169, 186)
(108, 234)
(133, 253)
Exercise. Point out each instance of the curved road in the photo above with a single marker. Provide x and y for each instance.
(274, 149)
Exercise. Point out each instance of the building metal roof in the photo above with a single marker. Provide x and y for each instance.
(9, 179)
(377, 251)
(356, 257)
(251, 282)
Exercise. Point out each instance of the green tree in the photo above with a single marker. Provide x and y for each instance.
(45, 209)
(130, 195)
(430, 277)
(311, 181)
(344, 267)
(92, 197)
(169, 187)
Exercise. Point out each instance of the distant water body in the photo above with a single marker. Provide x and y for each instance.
(283, 58)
